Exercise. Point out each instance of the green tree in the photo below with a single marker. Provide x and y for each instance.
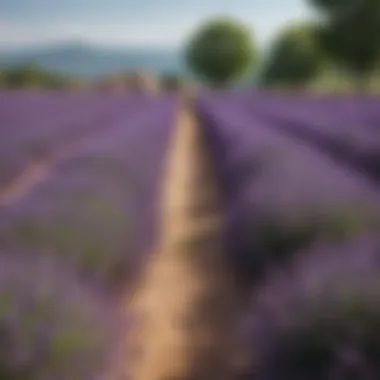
(22, 76)
(221, 51)
(334, 9)
(29, 75)
(350, 35)
(294, 58)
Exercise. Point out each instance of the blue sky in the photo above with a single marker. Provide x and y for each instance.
(135, 22)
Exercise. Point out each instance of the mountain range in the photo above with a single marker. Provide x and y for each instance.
(87, 60)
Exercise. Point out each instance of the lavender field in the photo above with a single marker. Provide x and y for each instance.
(272, 201)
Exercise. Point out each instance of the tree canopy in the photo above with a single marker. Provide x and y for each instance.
(221, 51)
(294, 58)
(350, 33)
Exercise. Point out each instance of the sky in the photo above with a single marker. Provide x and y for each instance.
(153, 23)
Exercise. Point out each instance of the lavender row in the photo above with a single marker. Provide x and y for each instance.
(52, 124)
(284, 193)
(80, 224)
(280, 169)
(53, 324)
(317, 317)
(343, 134)
(97, 208)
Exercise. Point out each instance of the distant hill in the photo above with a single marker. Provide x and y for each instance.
(83, 59)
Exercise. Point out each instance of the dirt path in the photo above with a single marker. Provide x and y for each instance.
(186, 303)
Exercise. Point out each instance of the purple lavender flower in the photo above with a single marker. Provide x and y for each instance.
(319, 319)
(51, 325)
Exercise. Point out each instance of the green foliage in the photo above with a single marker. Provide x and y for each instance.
(350, 35)
(345, 224)
(294, 58)
(31, 76)
(348, 11)
(221, 51)
(336, 8)
(281, 236)
(19, 76)
(282, 240)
